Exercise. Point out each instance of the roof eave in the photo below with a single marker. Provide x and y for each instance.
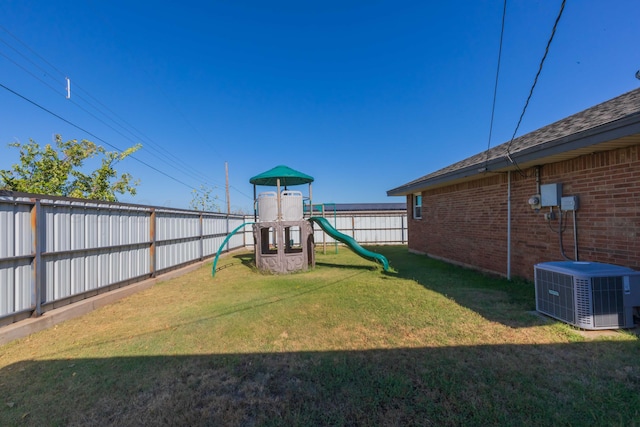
(539, 154)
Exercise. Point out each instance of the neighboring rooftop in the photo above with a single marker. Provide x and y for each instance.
(606, 126)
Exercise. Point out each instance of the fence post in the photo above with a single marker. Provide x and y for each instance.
(353, 226)
(244, 234)
(152, 239)
(201, 236)
(37, 243)
(228, 231)
(324, 236)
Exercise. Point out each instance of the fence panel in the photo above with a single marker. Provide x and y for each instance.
(177, 238)
(88, 246)
(57, 250)
(16, 240)
(367, 228)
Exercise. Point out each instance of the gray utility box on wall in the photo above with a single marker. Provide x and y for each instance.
(569, 203)
(550, 194)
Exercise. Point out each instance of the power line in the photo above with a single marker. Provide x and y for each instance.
(170, 159)
(167, 162)
(535, 80)
(31, 50)
(29, 72)
(240, 192)
(186, 171)
(495, 87)
(160, 88)
(94, 136)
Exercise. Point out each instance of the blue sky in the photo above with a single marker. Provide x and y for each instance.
(362, 95)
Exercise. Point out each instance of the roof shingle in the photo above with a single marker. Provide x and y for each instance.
(616, 109)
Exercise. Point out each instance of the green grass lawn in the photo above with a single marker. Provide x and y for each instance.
(344, 344)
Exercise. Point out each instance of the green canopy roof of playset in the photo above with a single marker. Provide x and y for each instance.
(285, 174)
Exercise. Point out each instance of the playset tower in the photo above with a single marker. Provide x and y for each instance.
(283, 237)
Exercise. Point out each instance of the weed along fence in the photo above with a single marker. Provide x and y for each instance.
(54, 251)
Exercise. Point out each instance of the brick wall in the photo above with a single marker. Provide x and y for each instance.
(467, 223)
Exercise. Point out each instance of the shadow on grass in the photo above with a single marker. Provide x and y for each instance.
(496, 299)
(227, 310)
(586, 384)
(346, 266)
(248, 260)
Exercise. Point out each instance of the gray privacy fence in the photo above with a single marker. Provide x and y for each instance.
(366, 227)
(54, 251)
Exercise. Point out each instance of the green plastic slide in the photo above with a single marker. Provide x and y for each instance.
(350, 241)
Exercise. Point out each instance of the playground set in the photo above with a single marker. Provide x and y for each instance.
(283, 237)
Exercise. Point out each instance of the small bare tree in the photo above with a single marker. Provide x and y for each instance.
(203, 200)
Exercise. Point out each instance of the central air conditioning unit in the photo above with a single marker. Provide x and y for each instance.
(588, 295)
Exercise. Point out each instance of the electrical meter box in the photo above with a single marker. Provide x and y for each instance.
(550, 194)
(569, 203)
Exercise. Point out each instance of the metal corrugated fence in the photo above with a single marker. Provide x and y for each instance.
(54, 251)
(368, 228)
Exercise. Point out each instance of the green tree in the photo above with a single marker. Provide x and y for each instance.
(58, 171)
(202, 200)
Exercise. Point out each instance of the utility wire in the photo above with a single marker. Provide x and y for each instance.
(30, 73)
(160, 88)
(30, 50)
(185, 171)
(184, 166)
(241, 193)
(535, 80)
(129, 128)
(94, 136)
(172, 161)
(167, 162)
(495, 87)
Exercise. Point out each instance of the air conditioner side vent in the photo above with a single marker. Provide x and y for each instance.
(555, 295)
(608, 307)
(584, 306)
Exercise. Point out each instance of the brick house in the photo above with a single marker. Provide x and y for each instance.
(482, 212)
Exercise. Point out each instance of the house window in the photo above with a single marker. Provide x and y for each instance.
(417, 206)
